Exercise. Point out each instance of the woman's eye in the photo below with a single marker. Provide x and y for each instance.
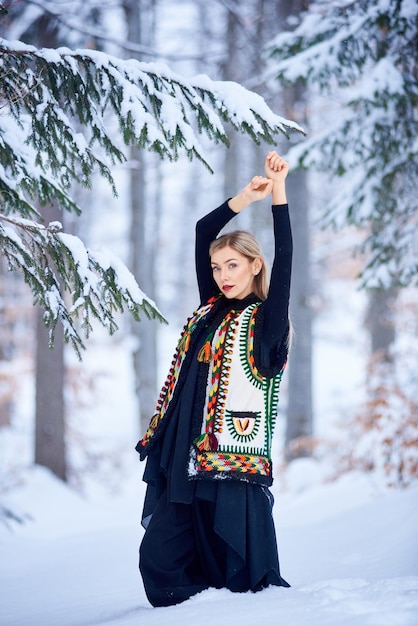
(232, 266)
(215, 269)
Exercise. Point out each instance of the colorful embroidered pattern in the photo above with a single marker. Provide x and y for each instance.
(247, 347)
(173, 375)
(243, 426)
(226, 462)
(271, 398)
(270, 386)
(218, 382)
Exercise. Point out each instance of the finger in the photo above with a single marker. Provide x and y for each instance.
(279, 164)
(275, 162)
(258, 182)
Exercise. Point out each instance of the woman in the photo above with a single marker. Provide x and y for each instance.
(208, 509)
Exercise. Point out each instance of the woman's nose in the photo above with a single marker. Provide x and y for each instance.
(224, 273)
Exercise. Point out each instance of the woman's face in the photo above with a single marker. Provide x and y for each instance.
(233, 272)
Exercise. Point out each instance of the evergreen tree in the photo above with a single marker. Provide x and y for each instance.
(364, 56)
(46, 94)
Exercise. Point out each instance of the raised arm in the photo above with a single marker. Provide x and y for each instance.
(207, 230)
(209, 227)
(274, 311)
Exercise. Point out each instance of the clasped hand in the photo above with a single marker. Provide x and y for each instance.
(259, 187)
(275, 169)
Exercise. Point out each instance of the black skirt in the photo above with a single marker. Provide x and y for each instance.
(202, 533)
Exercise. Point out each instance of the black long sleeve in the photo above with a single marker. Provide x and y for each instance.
(207, 230)
(273, 313)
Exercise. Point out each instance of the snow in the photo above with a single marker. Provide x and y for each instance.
(242, 103)
(349, 550)
(348, 547)
(123, 277)
(105, 258)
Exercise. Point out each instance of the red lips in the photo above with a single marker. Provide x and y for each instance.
(227, 287)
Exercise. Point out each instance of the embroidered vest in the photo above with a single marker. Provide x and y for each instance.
(240, 408)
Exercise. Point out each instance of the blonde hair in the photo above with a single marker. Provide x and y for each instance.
(247, 245)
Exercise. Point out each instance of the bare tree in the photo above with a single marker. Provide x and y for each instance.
(249, 27)
(380, 321)
(50, 448)
(299, 424)
(144, 210)
(50, 445)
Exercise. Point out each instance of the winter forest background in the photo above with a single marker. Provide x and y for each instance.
(344, 72)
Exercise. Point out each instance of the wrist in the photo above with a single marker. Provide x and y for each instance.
(239, 202)
(279, 193)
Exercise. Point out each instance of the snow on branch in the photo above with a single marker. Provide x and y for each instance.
(55, 263)
(65, 114)
(155, 108)
(363, 58)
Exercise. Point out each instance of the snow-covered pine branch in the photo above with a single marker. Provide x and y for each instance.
(60, 111)
(363, 57)
(59, 90)
(53, 263)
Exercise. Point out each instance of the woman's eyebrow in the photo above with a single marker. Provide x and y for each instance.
(227, 261)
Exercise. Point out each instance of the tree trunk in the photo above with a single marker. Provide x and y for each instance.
(50, 450)
(380, 322)
(139, 18)
(142, 259)
(299, 424)
(7, 343)
(299, 407)
(230, 71)
(248, 28)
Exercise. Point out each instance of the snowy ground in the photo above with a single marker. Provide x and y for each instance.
(349, 550)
